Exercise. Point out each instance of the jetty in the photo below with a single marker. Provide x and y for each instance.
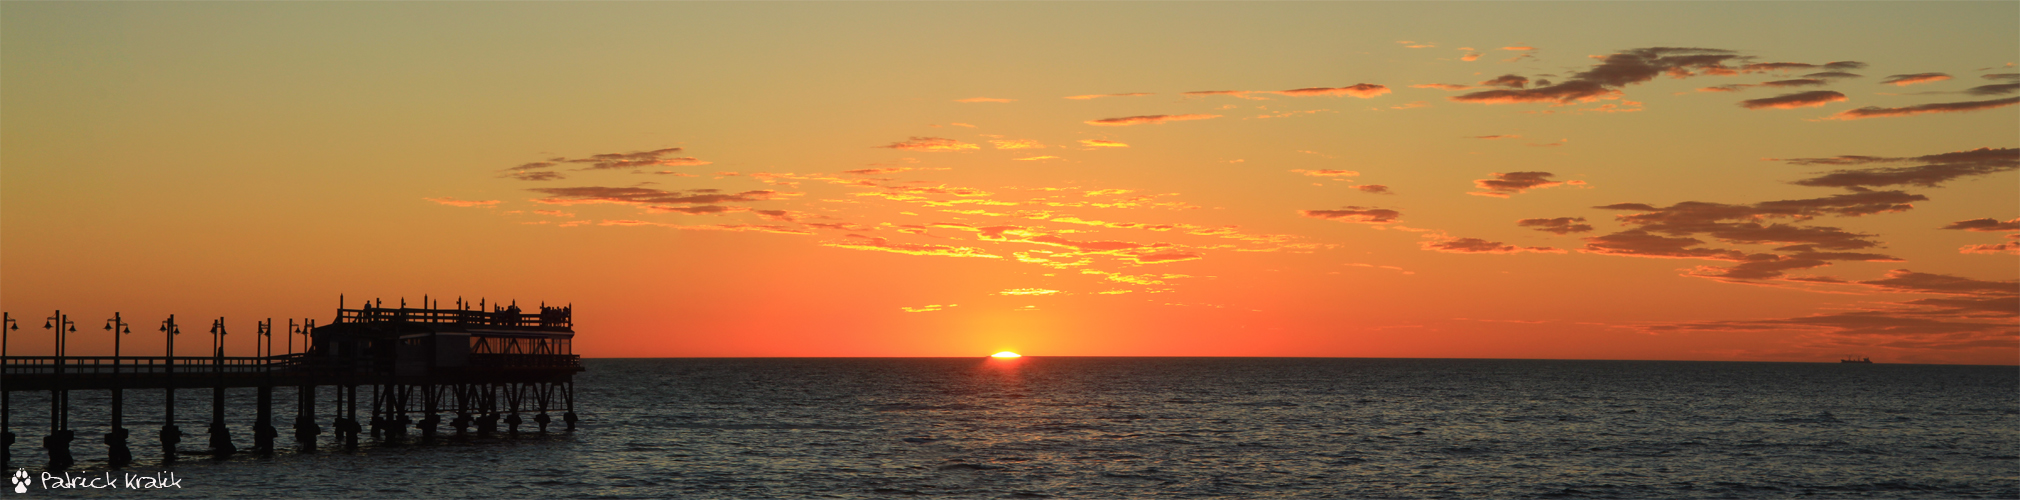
(468, 367)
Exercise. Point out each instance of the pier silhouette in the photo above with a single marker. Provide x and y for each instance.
(478, 367)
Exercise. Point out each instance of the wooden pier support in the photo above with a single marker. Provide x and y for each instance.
(306, 429)
(263, 424)
(220, 434)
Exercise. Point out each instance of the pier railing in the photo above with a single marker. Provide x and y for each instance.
(21, 368)
(547, 317)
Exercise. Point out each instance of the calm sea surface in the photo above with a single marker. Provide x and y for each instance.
(1157, 427)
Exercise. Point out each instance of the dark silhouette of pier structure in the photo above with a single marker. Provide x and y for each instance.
(475, 367)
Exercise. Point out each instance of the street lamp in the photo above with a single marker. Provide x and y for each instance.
(220, 436)
(118, 454)
(58, 441)
(6, 433)
(170, 434)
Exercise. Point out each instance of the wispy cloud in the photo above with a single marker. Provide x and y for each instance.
(1028, 291)
(931, 145)
(1149, 119)
(1667, 232)
(1987, 224)
(633, 195)
(1441, 86)
(984, 99)
(1102, 143)
(1358, 215)
(1792, 101)
(1327, 173)
(1941, 107)
(1363, 90)
(860, 242)
(1476, 245)
(1016, 144)
(1911, 79)
(1965, 314)
(1098, 96)
(1507, 81)
(462, 203)
(1605, 80)
(1513, 183)
(1560, 225)
(1934, 170)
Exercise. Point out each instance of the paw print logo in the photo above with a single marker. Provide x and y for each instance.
(20, 480)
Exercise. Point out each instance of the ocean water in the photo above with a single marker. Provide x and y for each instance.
(1157, 427)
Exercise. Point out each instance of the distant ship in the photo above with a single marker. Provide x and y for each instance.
(1856, 359)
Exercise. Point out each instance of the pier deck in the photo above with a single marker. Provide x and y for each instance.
(479, 368)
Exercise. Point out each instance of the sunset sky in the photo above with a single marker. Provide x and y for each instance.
(1688, 181)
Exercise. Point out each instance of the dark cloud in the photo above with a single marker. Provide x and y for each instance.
(1800, 82)
(1512, 183)
(1639, 243)
(1987, 224)
(1693, 216)
(575, 195)
(1911, 79)
(1726, 88)
(1905, 281)
(1476, 245)
(1235, 93)
(1563, 93)
(1770, 266)
(1833, 74)
(695, 210)
(1994, 89)
(1441, 86)
(536, 176)
(1774, 66)
(1560, 225)
(1933, 172)
(635, 159)
(2011, 77)
(1362, 215)
(1797, 100)
(1941, 107)
(1845, 65)
(1374, 189)
(1509, 81)
(1671, 232)
(1615, 71)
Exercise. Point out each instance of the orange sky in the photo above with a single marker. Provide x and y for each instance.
(1670, 181)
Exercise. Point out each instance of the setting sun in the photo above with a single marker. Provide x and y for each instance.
(1006, 355)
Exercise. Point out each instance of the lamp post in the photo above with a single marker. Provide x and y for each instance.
(220, 436)
(60, 435)
(263, 427)
(117, 453)
(6, 433)
(170, 434)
